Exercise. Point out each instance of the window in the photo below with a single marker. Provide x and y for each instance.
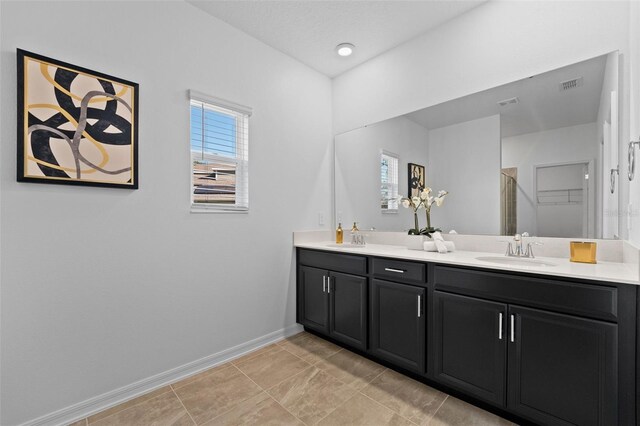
(219, 154)
(388, 182)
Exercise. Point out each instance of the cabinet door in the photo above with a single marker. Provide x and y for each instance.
(398, 324)
(470, 345)
(348, 309)
(313, 300)
(562, 369)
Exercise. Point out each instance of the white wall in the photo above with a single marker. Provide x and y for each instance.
(634, 186)
(464, 159)
(566, 144)
(104, 287)
(490, 45)
(607, 205)
(357, 172)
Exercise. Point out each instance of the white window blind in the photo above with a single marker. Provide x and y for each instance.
(388, 182)
(219, 139)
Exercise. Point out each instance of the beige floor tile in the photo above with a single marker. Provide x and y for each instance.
(362, 411)
(128, 404)
(351, 369)
(458, 413)
(163, 410)
(259, 410)
(216, 393)
(311, 395)
(411, 399)
(270, 368)
(309, 347)
(265, 350)
(199, 376)
(82, 422)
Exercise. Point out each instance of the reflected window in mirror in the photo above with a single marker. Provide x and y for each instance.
(388, 182)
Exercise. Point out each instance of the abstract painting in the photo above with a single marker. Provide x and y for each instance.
(75, 126)
(416, 179)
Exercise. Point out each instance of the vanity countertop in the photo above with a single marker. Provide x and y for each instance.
(625, 273)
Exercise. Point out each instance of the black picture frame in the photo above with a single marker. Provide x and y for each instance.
(415, 179)
(74, 123)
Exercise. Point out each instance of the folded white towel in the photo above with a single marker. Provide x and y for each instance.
(431, 246)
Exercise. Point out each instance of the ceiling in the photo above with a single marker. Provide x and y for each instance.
(310, 30)
(542, 106)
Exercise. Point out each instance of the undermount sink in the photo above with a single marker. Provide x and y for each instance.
(515, 261)
(345, 245)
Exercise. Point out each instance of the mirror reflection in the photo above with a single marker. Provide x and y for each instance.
(534, 155)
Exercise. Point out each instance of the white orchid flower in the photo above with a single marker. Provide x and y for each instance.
(441, 193)
(405, 203)
(439, 201)
(424, 194)
(427, 190)
(416, 200)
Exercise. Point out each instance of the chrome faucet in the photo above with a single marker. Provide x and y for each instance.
(519, 252)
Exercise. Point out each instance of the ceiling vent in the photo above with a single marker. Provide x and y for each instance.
(571, 84)
(510, 101)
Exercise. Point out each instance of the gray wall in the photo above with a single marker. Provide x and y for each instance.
(464, 159)
(357, 173)
(104, 287)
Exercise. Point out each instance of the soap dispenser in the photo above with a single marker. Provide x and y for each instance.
(355, 234)
(339, 234)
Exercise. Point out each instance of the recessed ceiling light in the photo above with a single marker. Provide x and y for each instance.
(345, 49)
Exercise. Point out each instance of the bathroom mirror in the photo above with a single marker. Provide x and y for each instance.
(536, 155)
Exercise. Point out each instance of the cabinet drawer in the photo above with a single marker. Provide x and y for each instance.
(398, 270)
(333, 261)
(590, 300)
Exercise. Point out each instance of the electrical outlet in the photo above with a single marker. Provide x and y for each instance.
(320, 218)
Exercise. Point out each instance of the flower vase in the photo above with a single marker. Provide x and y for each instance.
(415, 242)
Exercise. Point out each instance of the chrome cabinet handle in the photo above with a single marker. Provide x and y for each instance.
(612, 179)
(328, 284)
(399, 271)
(631, 159)
(324, 284)
(500, 326)
(513, 328)
(419, 306)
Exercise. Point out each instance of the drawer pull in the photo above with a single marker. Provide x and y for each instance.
(500, 326)
(324, 284)
(399, 271)
(328, 284)
(419, 306)
(513, 326)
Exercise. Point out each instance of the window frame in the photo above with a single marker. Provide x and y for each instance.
(392, 187)
(241, 160)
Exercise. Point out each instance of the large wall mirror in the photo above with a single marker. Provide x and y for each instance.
(538, 155)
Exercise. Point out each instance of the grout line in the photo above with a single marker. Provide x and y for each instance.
(338, 406)
(128, 408)
(438, 409)
(286, 409)
(384, 406)
(239, 402)
(183, 406)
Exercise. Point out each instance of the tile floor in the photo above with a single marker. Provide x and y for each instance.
(302, 380)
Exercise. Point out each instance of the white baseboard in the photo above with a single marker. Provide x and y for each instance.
(99, 403)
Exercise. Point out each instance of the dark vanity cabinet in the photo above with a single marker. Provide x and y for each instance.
(332, 302)
(398, 313)
(470, 345)
(562, 368)
(398, 324)
(545, 350)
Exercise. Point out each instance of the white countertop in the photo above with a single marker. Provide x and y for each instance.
(602, 271)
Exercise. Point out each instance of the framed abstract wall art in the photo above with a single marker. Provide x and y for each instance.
(75, 126)
(416, 179)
